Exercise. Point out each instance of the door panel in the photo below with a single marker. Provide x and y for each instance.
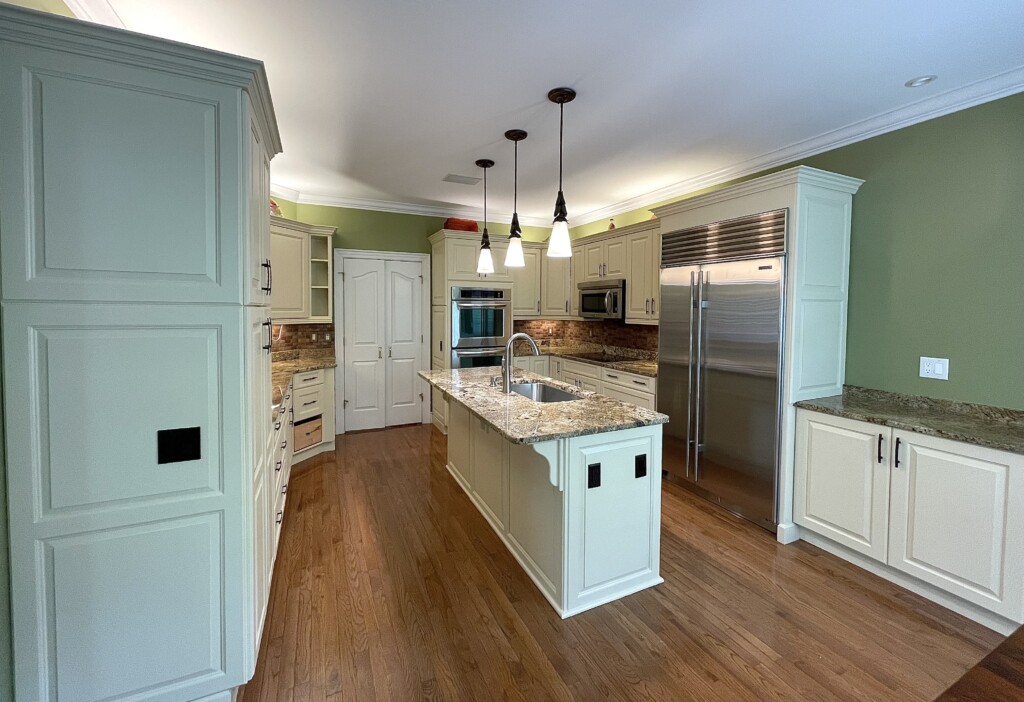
(675, 396)
(289, 253)
(402, 317)
(615, 258)
(594, 261)
(841, 488)
(954, 522)
(365, 340)
(737, 421)
(638, 282)
(555, 292)
(526, 285)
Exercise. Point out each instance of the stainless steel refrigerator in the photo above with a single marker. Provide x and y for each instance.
(719, 359)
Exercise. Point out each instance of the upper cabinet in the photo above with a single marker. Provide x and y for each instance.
(301, 282)
(128, 217)
(604, 258)
(526, 284)
(461, 253)
(631, 253)
(556, 289)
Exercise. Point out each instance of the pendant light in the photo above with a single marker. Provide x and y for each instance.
(559, 245)
(485, 264)
(514, 255)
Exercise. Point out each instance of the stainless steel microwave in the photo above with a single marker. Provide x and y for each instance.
(603, 299)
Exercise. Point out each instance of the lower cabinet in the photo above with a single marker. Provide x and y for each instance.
(947, 513)
(488, 453)
(635, 389)
(535, 364)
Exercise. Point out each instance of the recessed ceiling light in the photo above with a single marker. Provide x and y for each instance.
(461, 179)
(919, 81)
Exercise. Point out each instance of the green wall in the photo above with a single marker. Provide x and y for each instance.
(937, 254)
(385, 231)
(55, 7)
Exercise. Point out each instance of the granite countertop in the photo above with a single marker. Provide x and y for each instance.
(982, 425)
(524, 421)
(627, 360)
(285, 364)
(639, 366)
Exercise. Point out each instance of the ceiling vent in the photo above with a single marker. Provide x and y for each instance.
(461, 180)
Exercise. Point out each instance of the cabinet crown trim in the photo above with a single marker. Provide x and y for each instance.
(800, 175)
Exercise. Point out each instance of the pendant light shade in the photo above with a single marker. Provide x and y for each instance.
(514, 256)
(559, 245)
(485, 263)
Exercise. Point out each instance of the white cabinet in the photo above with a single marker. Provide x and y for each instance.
(947, 513)
(956, 520)
(579, 274)
(556, 288)
(301, 277)
(635, 389)
(488, 454)
(534, 364)
(438, 336)
(156, 161)
(842, 481)
(642, 281)
(459, 462)
(439, 294)
(462, 252)
(526, 285)
(604, 258)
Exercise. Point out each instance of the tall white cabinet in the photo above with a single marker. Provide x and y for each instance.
(136, 272)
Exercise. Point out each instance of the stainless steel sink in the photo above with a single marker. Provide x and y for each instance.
(540, 392)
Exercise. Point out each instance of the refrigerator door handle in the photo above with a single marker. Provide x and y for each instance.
(689, 383)
(697, 368)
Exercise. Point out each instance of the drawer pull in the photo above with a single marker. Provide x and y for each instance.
(287, 397)
(641, 382)
(307, 404)
(284, 444)
(280, 517)
(278, 469)
(284, 488)
(612, 376)
(277, 425)
(306, 380)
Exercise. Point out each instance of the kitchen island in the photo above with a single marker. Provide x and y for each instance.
(573, 488)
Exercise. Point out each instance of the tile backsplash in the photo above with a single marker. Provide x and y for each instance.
(602, 333)
(293, 337)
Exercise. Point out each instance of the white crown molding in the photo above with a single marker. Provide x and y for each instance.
(98, 11)
(985, 90)
(355, 203)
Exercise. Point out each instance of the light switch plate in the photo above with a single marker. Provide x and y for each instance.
(937, 368)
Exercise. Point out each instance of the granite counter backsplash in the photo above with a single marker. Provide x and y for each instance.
(982, 425)
(524, 421)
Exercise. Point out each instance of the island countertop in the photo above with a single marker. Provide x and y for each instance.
(524, 421)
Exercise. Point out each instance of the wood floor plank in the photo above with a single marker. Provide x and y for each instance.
(389, 585)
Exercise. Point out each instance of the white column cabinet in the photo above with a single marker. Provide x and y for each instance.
(642, 280)
(526, 285)
(139, 549)
(948, 513)
(301, 278)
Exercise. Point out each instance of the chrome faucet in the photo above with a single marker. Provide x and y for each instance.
(506, 363)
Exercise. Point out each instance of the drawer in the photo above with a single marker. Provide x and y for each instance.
(629, 380)
(307, 402)
(305, 380)
(622, 393)
(581, 369)
(308, 433)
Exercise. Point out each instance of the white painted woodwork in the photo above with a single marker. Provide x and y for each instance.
(841, 489)
(624, 393)
(309, 402)
(642, 278)
(87, 498)
(438, 336)
(526, 284)
(302, 277)
(440, 294)
(534, 364)
(488, 454)
(462, 254)
(957, 520)
(289, 253)
(403, 322)
(951, 514)
(579, 274)
(135, 171)
(459, 462)
(615, 258)
(313, 396)
(365, 341)
(593, 260)
(819, 206)
(634, 381)
(581, 547)
(556, 288)
(308, 378)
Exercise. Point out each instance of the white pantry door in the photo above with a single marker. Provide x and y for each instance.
(404, 327)
(365, 340)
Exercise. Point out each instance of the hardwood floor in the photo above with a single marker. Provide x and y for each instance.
(390, 586)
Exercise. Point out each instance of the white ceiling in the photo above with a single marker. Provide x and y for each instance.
(378, 100)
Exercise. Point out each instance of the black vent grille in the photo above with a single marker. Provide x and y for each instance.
(744, 237)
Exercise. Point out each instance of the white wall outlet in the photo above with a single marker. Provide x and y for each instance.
(313, 336)
(327, 336)
(937, 368)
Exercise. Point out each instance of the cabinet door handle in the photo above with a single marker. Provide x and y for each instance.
(269, 324)
(897, 452)
(440, 346)
(879, 448)
(652, 305)
(567, 307)
(267, 288)
(538, 306)
(647, 305)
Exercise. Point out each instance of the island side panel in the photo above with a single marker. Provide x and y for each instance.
(536, 524)
(459, 464)
(614, 516)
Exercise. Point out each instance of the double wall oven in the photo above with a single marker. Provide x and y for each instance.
(481, 325)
